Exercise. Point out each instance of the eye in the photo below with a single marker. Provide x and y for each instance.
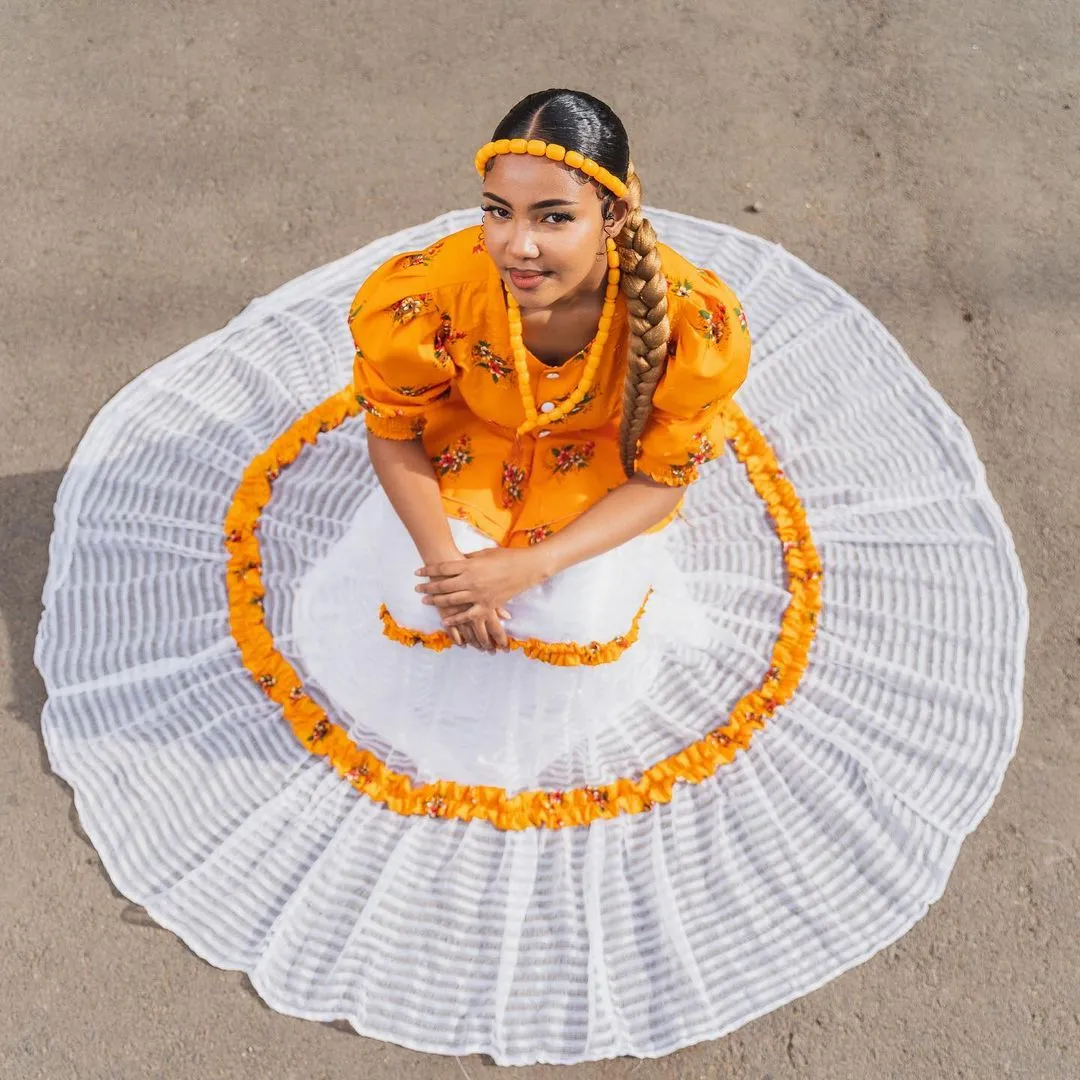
(496, 210)
(558, 214)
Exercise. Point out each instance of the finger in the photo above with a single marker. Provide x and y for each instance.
(467, 636)
(446, 569)
(447, 612)
(503, 613)
(466, 617)
(461, 598)
(498, 634)
(455, 632)
(481, 631)
(440, 585)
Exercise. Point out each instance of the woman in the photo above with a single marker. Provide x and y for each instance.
(539, 392)
(452, 401)
(685, 766)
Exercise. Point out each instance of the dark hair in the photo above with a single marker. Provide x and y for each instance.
(575, 120)
(581, 122)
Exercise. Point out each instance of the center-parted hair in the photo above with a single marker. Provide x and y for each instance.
(581, 122)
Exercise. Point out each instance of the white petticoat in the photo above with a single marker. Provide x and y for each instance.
(508, 720)
(823, 842)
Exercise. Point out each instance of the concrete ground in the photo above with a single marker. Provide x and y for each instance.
(163, 164)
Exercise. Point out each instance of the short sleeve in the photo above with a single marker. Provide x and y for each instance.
(708, 358)
(401, 368)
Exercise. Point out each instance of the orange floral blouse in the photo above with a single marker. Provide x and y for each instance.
(433, 360)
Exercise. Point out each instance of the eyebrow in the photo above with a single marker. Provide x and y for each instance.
(541, 205)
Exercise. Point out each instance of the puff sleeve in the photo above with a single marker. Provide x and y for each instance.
(708, 358)
(401, 367)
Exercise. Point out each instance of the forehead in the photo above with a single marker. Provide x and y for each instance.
(524, 178)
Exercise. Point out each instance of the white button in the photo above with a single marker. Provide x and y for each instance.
(543, 434)
(548, 406)
(552, 375)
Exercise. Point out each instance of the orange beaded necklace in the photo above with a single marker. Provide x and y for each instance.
(553, 152)
(592, 364)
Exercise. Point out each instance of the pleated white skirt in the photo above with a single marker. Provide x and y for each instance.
(823, 841)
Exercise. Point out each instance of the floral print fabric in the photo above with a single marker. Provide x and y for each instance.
(433, 361)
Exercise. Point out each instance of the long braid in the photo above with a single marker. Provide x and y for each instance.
(645, 288)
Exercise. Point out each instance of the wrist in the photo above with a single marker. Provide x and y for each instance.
(544, 559)
(431, 554)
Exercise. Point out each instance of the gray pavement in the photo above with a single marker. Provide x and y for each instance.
(160, 165)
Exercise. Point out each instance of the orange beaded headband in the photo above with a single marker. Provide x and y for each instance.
(539, 148)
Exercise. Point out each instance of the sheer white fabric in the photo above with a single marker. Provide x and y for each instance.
(821, 844)
(507, 720)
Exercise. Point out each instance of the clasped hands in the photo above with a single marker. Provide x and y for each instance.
(471, 592)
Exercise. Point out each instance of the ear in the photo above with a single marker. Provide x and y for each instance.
(620, 210)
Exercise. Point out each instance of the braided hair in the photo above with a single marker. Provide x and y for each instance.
(581, 122)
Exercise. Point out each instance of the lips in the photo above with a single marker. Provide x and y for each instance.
(527, 279)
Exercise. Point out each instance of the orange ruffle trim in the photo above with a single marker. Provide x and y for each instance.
(559, 653)
(528, 809)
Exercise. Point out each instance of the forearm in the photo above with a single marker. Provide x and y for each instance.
(619, 516)
(407, 477)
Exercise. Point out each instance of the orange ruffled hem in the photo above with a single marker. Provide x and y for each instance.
(528, 809)
(559, 653)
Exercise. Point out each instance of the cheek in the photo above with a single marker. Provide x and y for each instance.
(575, 252)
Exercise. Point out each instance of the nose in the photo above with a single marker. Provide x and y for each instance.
(522, 244)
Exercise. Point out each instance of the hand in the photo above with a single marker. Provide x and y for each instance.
(481, 583)
(484, 632)
(460, 636)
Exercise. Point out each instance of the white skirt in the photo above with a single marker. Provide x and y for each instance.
(509, 721)
(639, 928)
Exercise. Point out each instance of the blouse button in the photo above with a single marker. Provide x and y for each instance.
(552, 375)
(543, 434)
(548, 406)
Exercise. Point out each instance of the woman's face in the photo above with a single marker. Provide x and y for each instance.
(543, 229)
